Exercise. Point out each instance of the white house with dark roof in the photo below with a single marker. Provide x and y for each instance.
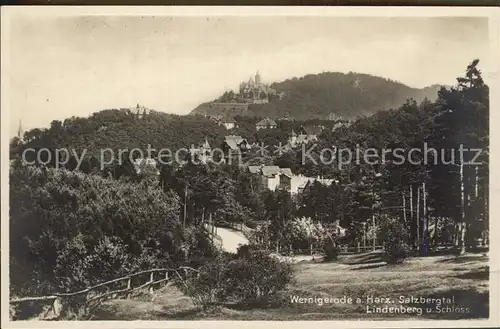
(234, 146)
(235, 143)
(228, 123)
(266, 123)
(273, 177)
(300, 182)
(296, 140)
(312, 180)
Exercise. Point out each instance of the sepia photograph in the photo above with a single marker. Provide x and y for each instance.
(197, 164)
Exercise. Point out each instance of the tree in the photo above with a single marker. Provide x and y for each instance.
(15, 147)
(280, 209)
(321, 202)
(462, 122)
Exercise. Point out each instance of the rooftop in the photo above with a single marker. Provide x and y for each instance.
(266, 122)
(234, 141)
(270, 171)
(228, 120)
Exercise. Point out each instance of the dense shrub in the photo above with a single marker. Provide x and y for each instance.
(395, 251)
(198, 246)
(68, 229)
(80, 262)
(247, 250)
(251, 224)
(394, 236)
(248, 277)
(208, 289)
(256, 277)
(331, 251)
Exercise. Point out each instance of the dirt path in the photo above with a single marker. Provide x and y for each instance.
(231, 239)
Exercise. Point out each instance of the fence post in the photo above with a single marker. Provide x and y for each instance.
(359, 247)
(129, 285)
(166, 275)
(57, 307)
(151, 289)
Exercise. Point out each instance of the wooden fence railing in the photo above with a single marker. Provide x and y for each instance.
(78, 304)
(216, 240)
(342, 250)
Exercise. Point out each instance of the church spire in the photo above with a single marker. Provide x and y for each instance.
(206, 145)
(20, 129)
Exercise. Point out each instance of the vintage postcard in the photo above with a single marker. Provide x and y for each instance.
(248, 166)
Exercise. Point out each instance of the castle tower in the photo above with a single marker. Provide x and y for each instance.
(257, 78)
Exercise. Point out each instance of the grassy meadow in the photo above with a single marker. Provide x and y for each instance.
(463, 278)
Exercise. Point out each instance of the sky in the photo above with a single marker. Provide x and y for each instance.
(73, 66)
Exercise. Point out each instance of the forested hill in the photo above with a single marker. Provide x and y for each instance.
(319, 95)
(124, 129)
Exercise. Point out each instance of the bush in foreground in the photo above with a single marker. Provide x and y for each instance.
(249, 277)
(331, 251)
(256, 277)
(394, 235)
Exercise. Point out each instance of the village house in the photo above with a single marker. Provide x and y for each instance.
(300, 183)
(276, 178)
(285, 183)
(266, 123)
(235, 143)
(311, 180)
(143, 165)
(296, 140)
(228, 123)
(235, 146)
(225, 121)
(338, 124)
(311, 130)
(287, 117)
(203, 153)
(334, 117)
(273, 177)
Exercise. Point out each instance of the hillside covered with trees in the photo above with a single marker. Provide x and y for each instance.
(319, 95)
(120, 129)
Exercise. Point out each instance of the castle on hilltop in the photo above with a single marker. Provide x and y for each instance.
(254, 91)
(141, 111)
